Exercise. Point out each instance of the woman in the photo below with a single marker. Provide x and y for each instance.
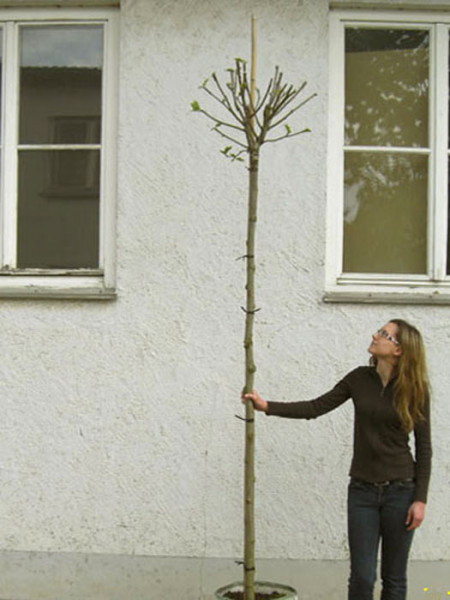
(387, 492)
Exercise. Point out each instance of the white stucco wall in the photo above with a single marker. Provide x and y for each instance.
(118, 432)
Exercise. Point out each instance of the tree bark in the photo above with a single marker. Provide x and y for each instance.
(250, 369)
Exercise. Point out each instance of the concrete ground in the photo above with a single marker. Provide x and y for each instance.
(44, 576)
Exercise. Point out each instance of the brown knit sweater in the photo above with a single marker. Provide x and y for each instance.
(381, 449)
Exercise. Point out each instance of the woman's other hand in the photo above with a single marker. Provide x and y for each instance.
(257, 401)
(416, 515)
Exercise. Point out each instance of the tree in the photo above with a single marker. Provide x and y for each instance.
(253, 119)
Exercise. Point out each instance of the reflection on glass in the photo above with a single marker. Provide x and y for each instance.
(58, 209)
(449, 94)
(385, 213)
(448, 218)
(1, 72)
(60, 77)
(75, 130)
(386, 87)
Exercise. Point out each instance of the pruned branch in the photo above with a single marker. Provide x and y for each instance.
(226, 101)
(291, 112)
(261, 102)
(218, 122)
(252, 117)
(224, 135)
(288, 135)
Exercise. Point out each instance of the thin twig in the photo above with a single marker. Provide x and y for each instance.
(235, 97)
(224, 102)
(225, 97)
(288, 135)
(229, 137)
(246, 104)
(292, 97)
(273, 125)
(219, 122)
(261, 103)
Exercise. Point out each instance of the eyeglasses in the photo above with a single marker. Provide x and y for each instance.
(388, 336)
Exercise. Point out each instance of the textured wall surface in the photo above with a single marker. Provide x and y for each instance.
(118, 432)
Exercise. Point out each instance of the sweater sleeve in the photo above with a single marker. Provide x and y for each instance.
(423, 453)
(311, 409)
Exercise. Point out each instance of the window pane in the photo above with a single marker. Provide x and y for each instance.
(1, 74)
(386, 87)
(58, 212)
(385, 213)
(448, 170)
(1, 100)
(448, 80)
(448, 216)
(60, 78)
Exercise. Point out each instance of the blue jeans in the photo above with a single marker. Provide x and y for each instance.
(378, 512)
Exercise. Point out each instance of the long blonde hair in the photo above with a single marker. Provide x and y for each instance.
(411, 387)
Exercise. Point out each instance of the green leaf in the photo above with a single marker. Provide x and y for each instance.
(195, 106)
(288, 129)
(226, 150)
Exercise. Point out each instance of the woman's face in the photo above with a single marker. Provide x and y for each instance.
(385, 343)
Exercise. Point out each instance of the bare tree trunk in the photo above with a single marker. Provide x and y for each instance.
(253, 117)
(250, 369)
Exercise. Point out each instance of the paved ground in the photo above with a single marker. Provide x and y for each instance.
(43, 576)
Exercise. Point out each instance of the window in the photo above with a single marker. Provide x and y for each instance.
(387, 222)
(58, 94)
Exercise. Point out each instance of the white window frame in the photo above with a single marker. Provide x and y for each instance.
(58, 283)
(433, 288)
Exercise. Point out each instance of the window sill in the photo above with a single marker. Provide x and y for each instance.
(21, 284)
(389, 293)
(390, 4)
(57, 3)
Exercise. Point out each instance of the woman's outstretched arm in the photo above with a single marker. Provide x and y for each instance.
(309, 409)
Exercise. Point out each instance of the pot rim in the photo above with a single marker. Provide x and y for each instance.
(259, 585)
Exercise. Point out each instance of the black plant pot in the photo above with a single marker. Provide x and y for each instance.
(265, 589)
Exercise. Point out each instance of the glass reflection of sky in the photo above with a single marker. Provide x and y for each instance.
(387, 87)
(62, 46)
